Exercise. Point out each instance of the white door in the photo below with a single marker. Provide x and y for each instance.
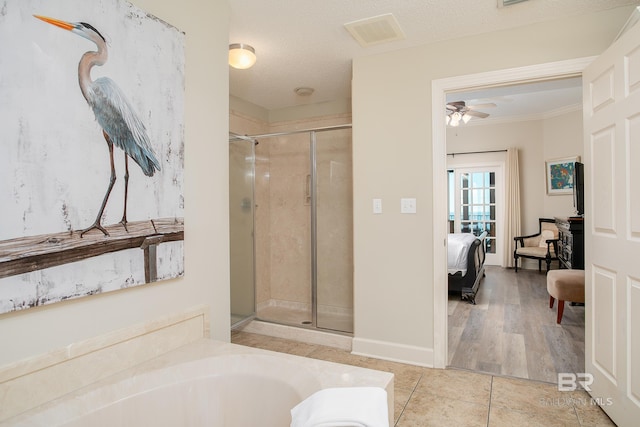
(611, 90)
(476, 206)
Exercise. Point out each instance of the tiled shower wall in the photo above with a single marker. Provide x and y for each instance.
(283, 214)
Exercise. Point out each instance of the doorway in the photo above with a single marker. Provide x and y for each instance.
(440, 88)
(476, 205)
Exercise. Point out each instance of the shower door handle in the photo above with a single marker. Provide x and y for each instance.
(307, 190)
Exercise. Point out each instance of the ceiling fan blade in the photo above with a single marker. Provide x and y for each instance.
(456, 104)
(500, 99)
(477, 114)
(481, 106)
(451, 107)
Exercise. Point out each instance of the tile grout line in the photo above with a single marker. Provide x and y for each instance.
(490, 399)
(409, 398)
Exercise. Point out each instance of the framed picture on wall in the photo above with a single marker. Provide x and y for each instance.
(559, 174)
(70, 138)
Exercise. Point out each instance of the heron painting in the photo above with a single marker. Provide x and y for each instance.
(119, 122)
(93, 139)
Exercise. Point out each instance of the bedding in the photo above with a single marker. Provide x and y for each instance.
(465, 263)
(457, 250)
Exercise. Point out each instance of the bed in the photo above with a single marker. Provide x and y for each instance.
(465, 263)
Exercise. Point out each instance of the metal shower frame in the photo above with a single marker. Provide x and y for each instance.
(314, 203)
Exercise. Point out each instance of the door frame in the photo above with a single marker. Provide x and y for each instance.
(439, 89)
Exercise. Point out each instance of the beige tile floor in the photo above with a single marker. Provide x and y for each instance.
(437, 397)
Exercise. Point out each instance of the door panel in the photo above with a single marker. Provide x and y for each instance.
(476, 193)
(334, 236)
(634, 339)
(603, 148)
(241, 230)
(604, 354)
(634, 178)
(611, 89)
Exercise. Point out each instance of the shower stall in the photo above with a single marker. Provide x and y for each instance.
(291, 221)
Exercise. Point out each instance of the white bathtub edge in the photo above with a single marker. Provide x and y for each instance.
(195, 361)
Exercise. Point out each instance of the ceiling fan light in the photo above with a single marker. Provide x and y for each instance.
(455, 119)
(241, 56)
(466, 118)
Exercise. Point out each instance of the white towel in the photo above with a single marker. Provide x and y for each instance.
(343, 407)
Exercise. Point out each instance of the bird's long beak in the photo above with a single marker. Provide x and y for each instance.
(62, 24)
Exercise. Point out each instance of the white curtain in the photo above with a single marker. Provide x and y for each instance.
(512, 205)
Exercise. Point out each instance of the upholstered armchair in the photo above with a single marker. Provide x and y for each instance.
(540, 246)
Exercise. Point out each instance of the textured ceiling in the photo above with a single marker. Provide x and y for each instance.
(304, 42)
(528, 101)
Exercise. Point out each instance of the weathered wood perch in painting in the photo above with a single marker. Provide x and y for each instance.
(26, 254)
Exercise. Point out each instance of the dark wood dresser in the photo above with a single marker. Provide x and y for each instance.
(571, 243)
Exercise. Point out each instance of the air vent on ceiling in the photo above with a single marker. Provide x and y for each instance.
(503, 3)
(372, 31)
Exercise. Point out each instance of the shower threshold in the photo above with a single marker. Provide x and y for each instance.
(300, 333)
(329, 320)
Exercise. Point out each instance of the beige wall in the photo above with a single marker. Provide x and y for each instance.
(562, 138)
(536, 141)
(527, 137)
(392, 158)
(206, 281)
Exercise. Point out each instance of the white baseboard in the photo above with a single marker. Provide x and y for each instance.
(394, 352)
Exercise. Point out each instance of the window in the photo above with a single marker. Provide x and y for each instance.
(474, 204)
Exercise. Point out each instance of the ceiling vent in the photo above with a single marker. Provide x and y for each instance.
(503, 3)
(376, 30)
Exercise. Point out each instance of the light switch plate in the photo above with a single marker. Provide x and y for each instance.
(408, 206)
(377, 206)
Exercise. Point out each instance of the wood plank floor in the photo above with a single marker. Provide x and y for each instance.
(512, 331)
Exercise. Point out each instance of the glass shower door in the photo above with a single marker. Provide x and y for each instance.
(284, 200)
(334, 230)
(241, 225)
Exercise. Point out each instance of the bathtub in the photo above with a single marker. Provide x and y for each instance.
(206, 383)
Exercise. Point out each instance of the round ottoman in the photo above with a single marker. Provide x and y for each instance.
(565, 285)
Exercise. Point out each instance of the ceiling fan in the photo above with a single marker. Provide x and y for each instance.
(459, 110)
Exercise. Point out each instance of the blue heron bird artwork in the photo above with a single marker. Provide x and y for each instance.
(91, 183)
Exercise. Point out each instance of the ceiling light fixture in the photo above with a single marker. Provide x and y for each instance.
(304, 91)
(456, 117)
(504, 3)
(241, 56)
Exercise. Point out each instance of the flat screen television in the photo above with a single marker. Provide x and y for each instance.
(578, 188)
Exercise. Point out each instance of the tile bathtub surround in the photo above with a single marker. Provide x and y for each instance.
(30, 383)
(453, 397)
